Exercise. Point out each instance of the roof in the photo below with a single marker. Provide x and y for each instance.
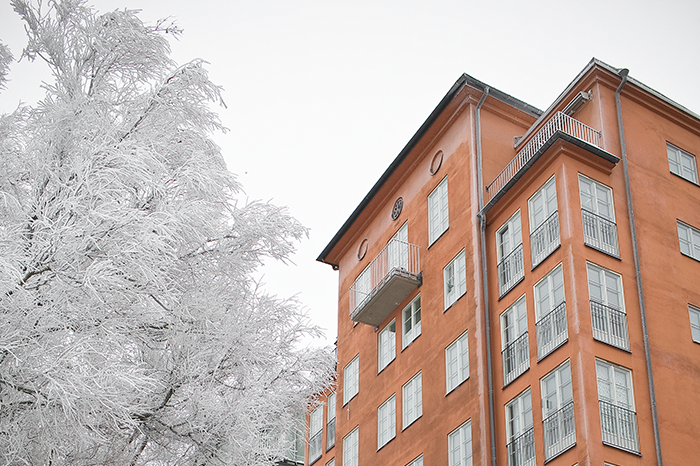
(464, 81)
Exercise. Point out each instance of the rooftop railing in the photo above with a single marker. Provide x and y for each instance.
(558, 122)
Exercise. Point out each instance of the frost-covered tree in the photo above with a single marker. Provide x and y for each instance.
(132, 330)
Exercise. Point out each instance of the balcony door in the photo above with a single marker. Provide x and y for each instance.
(398, 249)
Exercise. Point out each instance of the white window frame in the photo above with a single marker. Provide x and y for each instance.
(331, 462)
(611, 297)
(351, 448)
(513, 326)
(398, 249)
(553, 401)
(459, 445)
(549, 293)
(509, 236)
(412, 392)
(416, 462)
(411, 322)
(315, 429)
(612, 381)
(330, 418)
(386, 343)
(518, 422)
(438, 212)
(455, 279)
(694, 314)
(689, 240)
(543, 203)
(386, 421)
(593, 200)
(351, 380)
(457, 362)
(682, 163)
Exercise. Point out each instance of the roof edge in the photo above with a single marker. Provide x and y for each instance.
(464, 80)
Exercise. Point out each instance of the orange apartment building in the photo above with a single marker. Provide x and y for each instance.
(523, 287)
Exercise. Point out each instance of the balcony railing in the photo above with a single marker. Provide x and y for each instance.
(610, 325)
(559, 122)
(315, 446)
(516, 359)
(545, 239)
(551, 330)
(521, 450)
(619, 426)
(559, 431)
(600, 233)
(385, 283)
(510, 270)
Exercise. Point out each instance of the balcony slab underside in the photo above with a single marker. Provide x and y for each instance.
(393, 290)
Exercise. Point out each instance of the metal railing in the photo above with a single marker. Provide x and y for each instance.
(510, 270)
(551, 330)
(330, 434)
(558, 122)
(619, 426)
(600, 233)
(516, 358)
(559, 431)
(610, 325)
(545, 239)
(521, 450)
(398, 257)
(315, 446)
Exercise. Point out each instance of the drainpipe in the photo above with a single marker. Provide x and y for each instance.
(647, 352)
(484, 273)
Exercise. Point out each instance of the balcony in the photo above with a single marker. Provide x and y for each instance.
(600, 233)
(385, 283)
(551, 330)
(610, 325)
(510, 270)
(619, 426)
(516, 359)
(545, 239)
(521, 450)
(559, 124)
(559, 431)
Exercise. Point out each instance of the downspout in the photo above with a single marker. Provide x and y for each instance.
(484, 273)
(630, 211)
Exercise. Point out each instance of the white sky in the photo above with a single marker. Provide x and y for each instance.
(323, 94)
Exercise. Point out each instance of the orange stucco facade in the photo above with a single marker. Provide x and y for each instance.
(568, 334)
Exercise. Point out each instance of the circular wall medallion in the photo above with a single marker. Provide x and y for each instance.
(436, 163)
(362, 250)
(398, 207)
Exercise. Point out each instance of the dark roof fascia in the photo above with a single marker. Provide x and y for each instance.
(464, 80)
(545, 147)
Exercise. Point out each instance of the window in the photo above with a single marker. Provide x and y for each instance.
(509, 243)
(557, 411)
(416, 462)
(607, 307)
(599, 228)
(616, 398)
(459, 445)
(330, 422)
(351, 448)
(351, 379)
(520, 431)
(457, 362)
(387, 345)
(682, 163)
(398, 249)
(689, 239)
(438, 213)
(694, 323)
(515, 352)
(331, 462)
(386, 422)
(544, 222)
(411, 322)
(412, 400)
(550, 312)
(455, 279)
(315, 433)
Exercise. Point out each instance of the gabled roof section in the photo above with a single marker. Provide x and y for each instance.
(463, 81)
